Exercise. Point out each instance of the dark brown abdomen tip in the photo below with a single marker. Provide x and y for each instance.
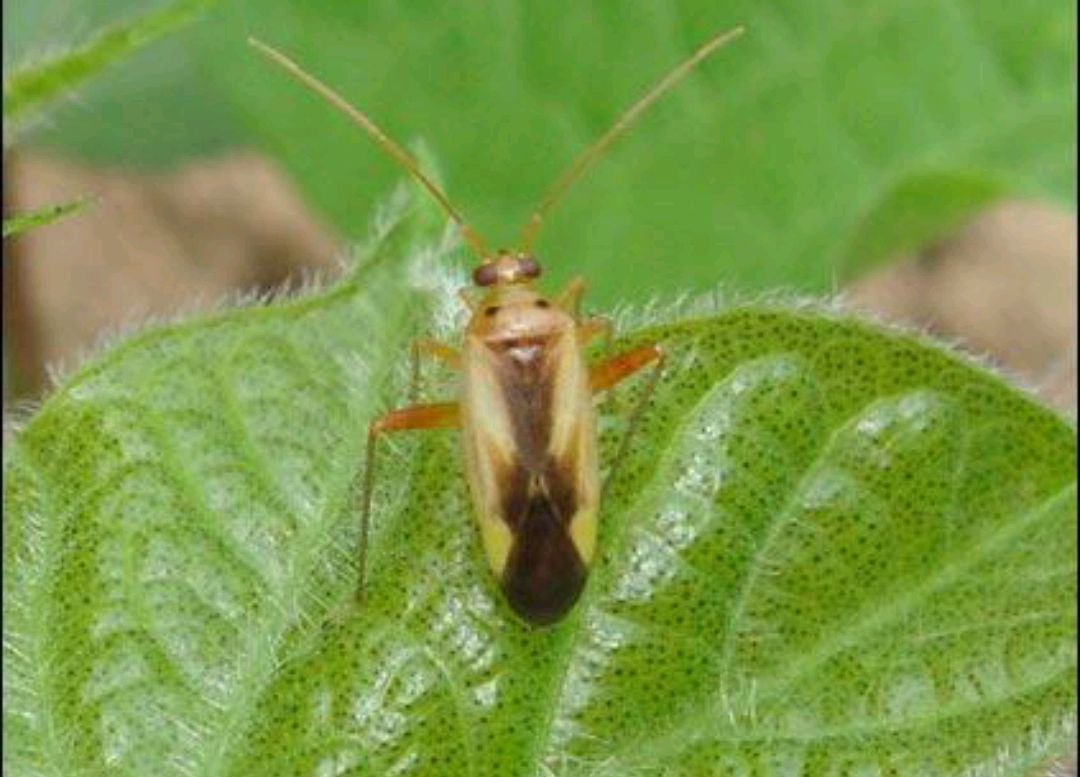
(543, 602)
(544, 574)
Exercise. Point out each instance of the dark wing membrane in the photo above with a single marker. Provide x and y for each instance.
(544, 572)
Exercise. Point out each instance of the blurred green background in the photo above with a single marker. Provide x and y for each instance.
(830, 136)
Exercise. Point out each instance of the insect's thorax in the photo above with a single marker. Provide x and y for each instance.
(529, 357)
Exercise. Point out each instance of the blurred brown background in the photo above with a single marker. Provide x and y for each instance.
(151, 246)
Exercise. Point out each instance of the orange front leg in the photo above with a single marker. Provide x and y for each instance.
(621, 366)
(443, 415)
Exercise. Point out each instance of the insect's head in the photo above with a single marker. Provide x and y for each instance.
(508, 301)
(506, 268)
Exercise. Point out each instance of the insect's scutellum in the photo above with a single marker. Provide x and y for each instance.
(526, 408)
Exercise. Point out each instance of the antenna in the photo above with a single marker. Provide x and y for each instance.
(401, 156)
(585, 160)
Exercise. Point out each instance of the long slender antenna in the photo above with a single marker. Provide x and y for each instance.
(623, 123)
(403, 158)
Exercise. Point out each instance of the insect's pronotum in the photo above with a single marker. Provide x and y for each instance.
(526, 404)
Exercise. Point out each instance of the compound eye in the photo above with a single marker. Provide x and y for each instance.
(486, 274)
(529, 267)
(543, 303)
(491, 310)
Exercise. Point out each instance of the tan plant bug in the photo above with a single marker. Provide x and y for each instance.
(526, 404)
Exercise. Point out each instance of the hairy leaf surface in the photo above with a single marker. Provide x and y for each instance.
(832, 549)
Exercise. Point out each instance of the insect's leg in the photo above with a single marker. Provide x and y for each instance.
(445, 353)
(570, 297)
(613, 371)
(438, 416)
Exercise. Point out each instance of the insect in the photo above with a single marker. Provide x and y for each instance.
(526, 404)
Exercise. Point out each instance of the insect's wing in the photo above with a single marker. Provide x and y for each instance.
(530, 444)
(572, 445)
(490, 450)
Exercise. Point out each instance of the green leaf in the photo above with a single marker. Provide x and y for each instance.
(832, 548)
(757, 172)
(39, 217)
(33, 85)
